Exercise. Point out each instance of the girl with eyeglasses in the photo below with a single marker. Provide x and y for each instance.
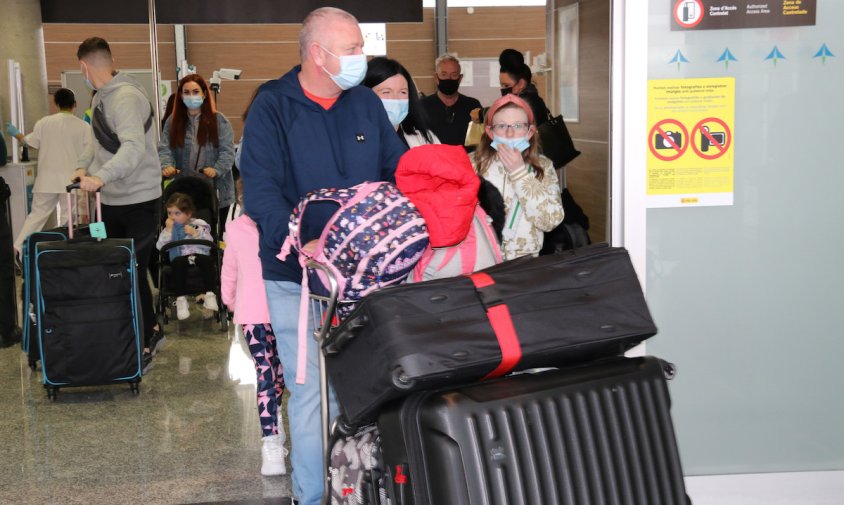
(508, 157)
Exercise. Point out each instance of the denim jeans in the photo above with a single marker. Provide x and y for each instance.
(303, 407)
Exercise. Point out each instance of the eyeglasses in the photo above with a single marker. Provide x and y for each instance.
(189, 92)
(449, 114)
(516, 127)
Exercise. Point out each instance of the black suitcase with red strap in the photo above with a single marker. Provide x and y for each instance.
(549, 311)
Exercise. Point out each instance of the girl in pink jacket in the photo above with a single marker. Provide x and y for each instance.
(243, 290)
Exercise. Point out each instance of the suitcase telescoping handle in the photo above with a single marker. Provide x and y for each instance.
(70, 188)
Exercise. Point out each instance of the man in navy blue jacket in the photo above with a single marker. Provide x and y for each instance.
(312, 128)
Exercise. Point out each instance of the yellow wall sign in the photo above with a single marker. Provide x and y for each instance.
(691, 124)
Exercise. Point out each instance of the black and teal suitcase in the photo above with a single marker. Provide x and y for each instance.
(29, 340)
(87, 313)
(593, 434)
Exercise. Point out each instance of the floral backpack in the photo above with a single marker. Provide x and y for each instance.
(373, 240)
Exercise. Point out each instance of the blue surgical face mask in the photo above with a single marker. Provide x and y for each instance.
(352, 70)
(396, 110)
(517, 143)
(193, 102)
(88, 83)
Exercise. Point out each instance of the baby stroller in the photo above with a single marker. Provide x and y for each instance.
(204, 198)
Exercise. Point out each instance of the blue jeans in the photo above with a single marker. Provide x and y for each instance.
(303, 407)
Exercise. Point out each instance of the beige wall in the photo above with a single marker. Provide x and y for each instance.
(265, 52)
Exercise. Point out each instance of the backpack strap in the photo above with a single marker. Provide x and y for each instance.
(486, 224)
(107, 138)
(302, 337)
(501, 322)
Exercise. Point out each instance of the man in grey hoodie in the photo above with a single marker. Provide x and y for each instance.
(124, 163)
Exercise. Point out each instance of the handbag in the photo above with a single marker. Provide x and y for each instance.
(556, 142)
(474, 132)
(572, 232)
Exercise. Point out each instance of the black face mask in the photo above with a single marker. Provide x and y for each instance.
(448, 86)
(506, 91)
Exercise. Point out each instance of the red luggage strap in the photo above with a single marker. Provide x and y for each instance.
(501, 322)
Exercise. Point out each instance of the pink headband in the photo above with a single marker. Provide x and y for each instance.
(504, 100)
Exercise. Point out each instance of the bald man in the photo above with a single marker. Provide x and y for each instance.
(312, 128)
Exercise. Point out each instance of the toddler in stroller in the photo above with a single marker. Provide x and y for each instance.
(188, 266)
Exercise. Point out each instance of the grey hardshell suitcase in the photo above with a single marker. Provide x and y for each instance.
(586, 435)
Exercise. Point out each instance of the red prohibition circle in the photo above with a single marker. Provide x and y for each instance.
(657, 129)
(691, 23)
(719, 147)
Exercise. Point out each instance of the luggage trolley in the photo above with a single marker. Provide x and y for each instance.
(434, 435)
(322, 312)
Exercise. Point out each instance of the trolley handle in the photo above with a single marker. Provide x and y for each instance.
(69, 188)
(330, 300)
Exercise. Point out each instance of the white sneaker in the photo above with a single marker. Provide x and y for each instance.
(182, 310)
(210, 302)
(273, 453)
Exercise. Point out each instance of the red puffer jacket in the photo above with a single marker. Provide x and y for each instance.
(440, 180)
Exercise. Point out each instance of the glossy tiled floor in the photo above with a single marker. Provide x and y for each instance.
(191, 436)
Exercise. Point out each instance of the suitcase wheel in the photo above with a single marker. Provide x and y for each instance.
(344, 428)
(52, 392)
(669, 370)
(401, 381)
(135, 385)
(32, 365)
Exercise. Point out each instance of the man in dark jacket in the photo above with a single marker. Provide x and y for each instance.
(312, 128)
(448, 110)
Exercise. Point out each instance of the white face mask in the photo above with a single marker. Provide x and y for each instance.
(352, 70)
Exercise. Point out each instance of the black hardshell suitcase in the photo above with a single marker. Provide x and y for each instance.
(87, 312)
(565, 308)
(596, 434)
